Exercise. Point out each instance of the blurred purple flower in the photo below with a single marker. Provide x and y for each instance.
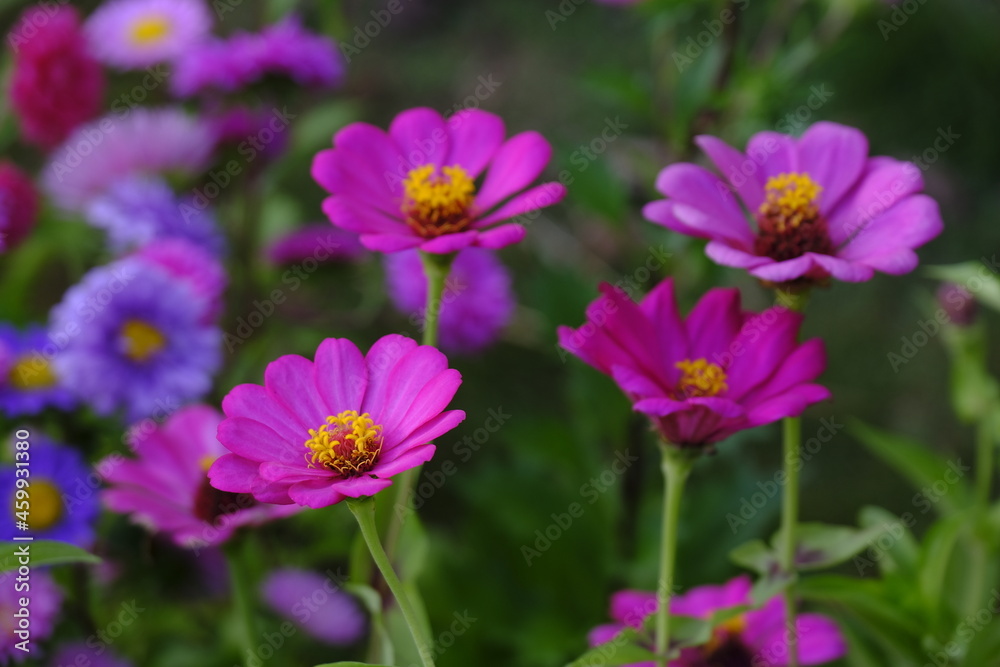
(18, 206)
(142, 342)
(283, 49)
(477, 302)
(30, 382)
(318, 241)
(46, 600)
(316, 604)
(80, 654)
(244, 128)
(140, 209)
(192, 264)
(140, 142)
(133, 34)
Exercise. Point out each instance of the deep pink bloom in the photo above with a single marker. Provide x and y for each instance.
(341, 427)
(318, 241)
(821, 207)
(57, 84)
(18, 206)
(166, 488)
(194, 265)
(702, 379)
(415, 185)
(756, 637)
(316, 604)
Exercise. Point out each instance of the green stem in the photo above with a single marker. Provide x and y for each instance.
(364, 511)
(676, 465)
(789, 521)
(239, 582)
(984, 462)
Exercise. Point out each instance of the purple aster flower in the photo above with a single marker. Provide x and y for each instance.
(141, 342)
(63, 500)
(137, 210)
(755, 637)
(283, 49)
(30, 382)
(140, 142)
(477, 302)
(820, 207)
(45, 601)
(316, 604)
(415, 186)
(241, 126)
(133, 34)
(318, 241)
(79, 654)
(193, 265)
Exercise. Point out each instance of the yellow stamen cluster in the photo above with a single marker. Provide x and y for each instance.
(700, 377)
(46, 505)
(348, 443)
(141, 340)
(150, 29)
(436, 204)
(31, 371)
(791, 200)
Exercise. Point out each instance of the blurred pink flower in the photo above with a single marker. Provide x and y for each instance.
(195, 266)
(318, 241)
(45, 602)
(18, 206)
(132, 34)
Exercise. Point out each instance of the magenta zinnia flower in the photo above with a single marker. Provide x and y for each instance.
(415, 186)
(821, 206)
(756, 637)
(166, 487)
(132, 34)
(18, 206)
(702, 379)
(341, 427)
(56, 84)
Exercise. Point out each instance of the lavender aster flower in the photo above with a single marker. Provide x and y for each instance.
(142, 342)
(477, 302)
(59, 511)
(138, 210)
(46, 599)
(132, 34)
(188, 262)
(336, 619)
(29, 382)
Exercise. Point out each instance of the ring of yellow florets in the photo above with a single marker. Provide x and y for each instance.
(348, 443)
(700, 378)
(438, 203)
(141, 340)
(789, 220)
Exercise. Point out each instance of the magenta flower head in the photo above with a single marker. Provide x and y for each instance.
(477, 302)
(166, 488)
(46, 600)
(756, 637)
(340, 427)
(820, 207)
(702, 379)
(56, 84)
(132, 34)
(418, 185)
(18, 206)
(316, 604)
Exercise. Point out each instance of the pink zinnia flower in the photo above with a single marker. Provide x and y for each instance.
(18, 206)
(56, 83)
(821, 207)
(702, 379)
(132, 34)
(415, 186)
(756, 637)
(341, 427)
(166, 487)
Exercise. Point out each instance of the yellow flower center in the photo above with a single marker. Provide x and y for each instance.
(724, 633)
(700, 377)
(348, 443)
(150, 30)
(438, 203)
(46, 505)
(31, 371)
(790, 200)
(142, 340)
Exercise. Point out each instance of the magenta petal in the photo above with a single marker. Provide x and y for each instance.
(340, 375)
(315, 494)
(422, 137)
(289, 379)
(662, 213)
(476, 136)
(849, 272)
(364, 485)
(501, 237)
(408, 379)
(734, 165)
(779, 272)
(907, 225)
(713, 324)
(519, 161)
(802, 366)
(834, 156)
(885, 183)
(380, 360)
(774, 153)
(339, 172)
(704, 202)
(537, 197)
(429, 402)
(449, 243)
(255, 441)
(233, 473)
(635, 383)
(787, 405)
(602, 634)
(820, 641)
(375, 155)
(404, 460)
(390, 242)
(432, 429)
(660, 306)
(255, 402)
(632, 607)
(703, 601)
(272, 471)
(660, 407)
(354, 216)
(722, 253)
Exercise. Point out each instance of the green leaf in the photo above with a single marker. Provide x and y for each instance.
(939, 544)
(44, 553)
(372, 601)
(820, 546)
(974, 392)
(917, 463)
(903, 551)
(755, 555)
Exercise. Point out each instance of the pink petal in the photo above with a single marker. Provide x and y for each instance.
(779, 272)
(257, 403)
(849, 272)
(885, 183)
(536, 198)
(733, 165)
(907, 225)
(500, 237)
(340, 375)
(449, 243)
(233, 473)
(722, 253)
(476, 136)
(774, 153)
(662, 213)
(390, 242)
(317, 494)
(834, 156)
(403, 459)
(432, 429)
(421, 136)
(787, 405)
(660, 307)
(713, 324)
(519, 161)
(353, 216)
(342, 174)
(289, 379)
(705, 203)
(256, 442)
(380, 360)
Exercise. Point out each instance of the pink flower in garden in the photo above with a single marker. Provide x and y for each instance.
(415, 186)
(56, 83)
(702, 379)
(318, 241)
(18, 206)
(132, 34)
(339, 427)
(166, 487)
(755, 637)
(821, 207)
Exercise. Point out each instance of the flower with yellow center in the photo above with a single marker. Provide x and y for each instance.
(789, 220)
(32, 371)
(348, 443)
(150, 30)
(700, 378)
(141, 340)
(46, 505)
(438, 203)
